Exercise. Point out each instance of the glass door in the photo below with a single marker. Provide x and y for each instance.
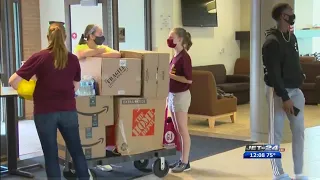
(11, 53)
(16, 10)
(134, 31)
(101, 14)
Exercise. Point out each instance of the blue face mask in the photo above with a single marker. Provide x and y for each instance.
(99, 40)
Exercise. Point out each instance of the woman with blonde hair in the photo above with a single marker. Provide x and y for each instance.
(179, 97)
(58, 74)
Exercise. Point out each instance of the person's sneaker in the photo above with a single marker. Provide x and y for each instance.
(181, 167)
(283, 177)
(301, 178)
(173, 165)
(115, 152)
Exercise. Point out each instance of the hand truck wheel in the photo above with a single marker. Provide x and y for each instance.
(160, 167)
(141, 164)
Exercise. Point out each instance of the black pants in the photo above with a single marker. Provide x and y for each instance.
(67, 123)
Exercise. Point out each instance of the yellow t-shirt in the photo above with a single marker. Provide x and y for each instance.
(81, 47)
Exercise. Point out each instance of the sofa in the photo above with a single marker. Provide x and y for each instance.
(307, 59)
(311, 85)
(237, 84)
(309, 66)
(205, 103)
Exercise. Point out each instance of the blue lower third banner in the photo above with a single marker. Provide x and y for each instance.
(262, 155)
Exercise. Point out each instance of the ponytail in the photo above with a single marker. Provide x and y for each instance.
(90, 29)
(56, 37)
(82, 40)
(188, 43)
(182, 33)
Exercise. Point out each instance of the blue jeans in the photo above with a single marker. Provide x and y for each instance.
(67, 123)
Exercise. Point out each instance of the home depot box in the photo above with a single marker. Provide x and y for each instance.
(155, 72)
(92, 141)
(139, 124)
(95, 111)
(114, 76)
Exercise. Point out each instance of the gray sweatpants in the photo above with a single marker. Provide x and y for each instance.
(276, 125)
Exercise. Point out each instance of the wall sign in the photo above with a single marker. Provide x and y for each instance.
(122, 34)
(74, 35)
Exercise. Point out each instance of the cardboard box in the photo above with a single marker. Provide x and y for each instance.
(155, 72)
(92, 140)
(114, 76)
(121, 77)
(139, 125)
(95, 111)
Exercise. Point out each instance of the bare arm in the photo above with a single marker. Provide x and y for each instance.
(14, 81)
(76, 85)
(110, 54)
(181, 79)
(90, 53)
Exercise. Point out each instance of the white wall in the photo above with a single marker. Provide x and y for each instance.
(245, 15)
(131, 17)
(210, 45)
(304, 11)
(307, 16)
(50, 10)
(316, 21)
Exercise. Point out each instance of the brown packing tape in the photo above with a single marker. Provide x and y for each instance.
(95, 111)
(124, 146)
(95, 115)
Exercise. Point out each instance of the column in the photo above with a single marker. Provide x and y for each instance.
(259, 118)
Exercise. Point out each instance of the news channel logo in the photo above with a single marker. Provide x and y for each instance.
(267, 151)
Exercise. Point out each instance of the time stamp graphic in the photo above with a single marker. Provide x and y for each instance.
(263, 152)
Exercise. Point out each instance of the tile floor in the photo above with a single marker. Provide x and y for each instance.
(231, 166)
(241, 129)
(224, 166)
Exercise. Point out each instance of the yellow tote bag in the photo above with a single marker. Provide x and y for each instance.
(26, 89)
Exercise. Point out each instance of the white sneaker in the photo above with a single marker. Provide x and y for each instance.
(301, 178)
(106, 168)
(91, 177)
(282, 177)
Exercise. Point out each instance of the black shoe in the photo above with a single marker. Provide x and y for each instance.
(182, 167)
(173, 165)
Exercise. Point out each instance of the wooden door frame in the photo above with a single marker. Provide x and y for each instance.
(115, 22)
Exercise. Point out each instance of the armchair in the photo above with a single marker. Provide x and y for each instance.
(205, 103)
(311, 85)
(238, 84)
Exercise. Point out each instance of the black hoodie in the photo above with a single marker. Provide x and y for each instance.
(281, 62)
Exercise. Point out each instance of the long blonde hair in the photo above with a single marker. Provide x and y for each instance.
(56, 37)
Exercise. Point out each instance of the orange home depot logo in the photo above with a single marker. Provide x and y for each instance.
(143, 122)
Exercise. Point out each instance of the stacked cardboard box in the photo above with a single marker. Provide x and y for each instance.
(114, 76)
(132, 95)
(140, 121)
(94, 113)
